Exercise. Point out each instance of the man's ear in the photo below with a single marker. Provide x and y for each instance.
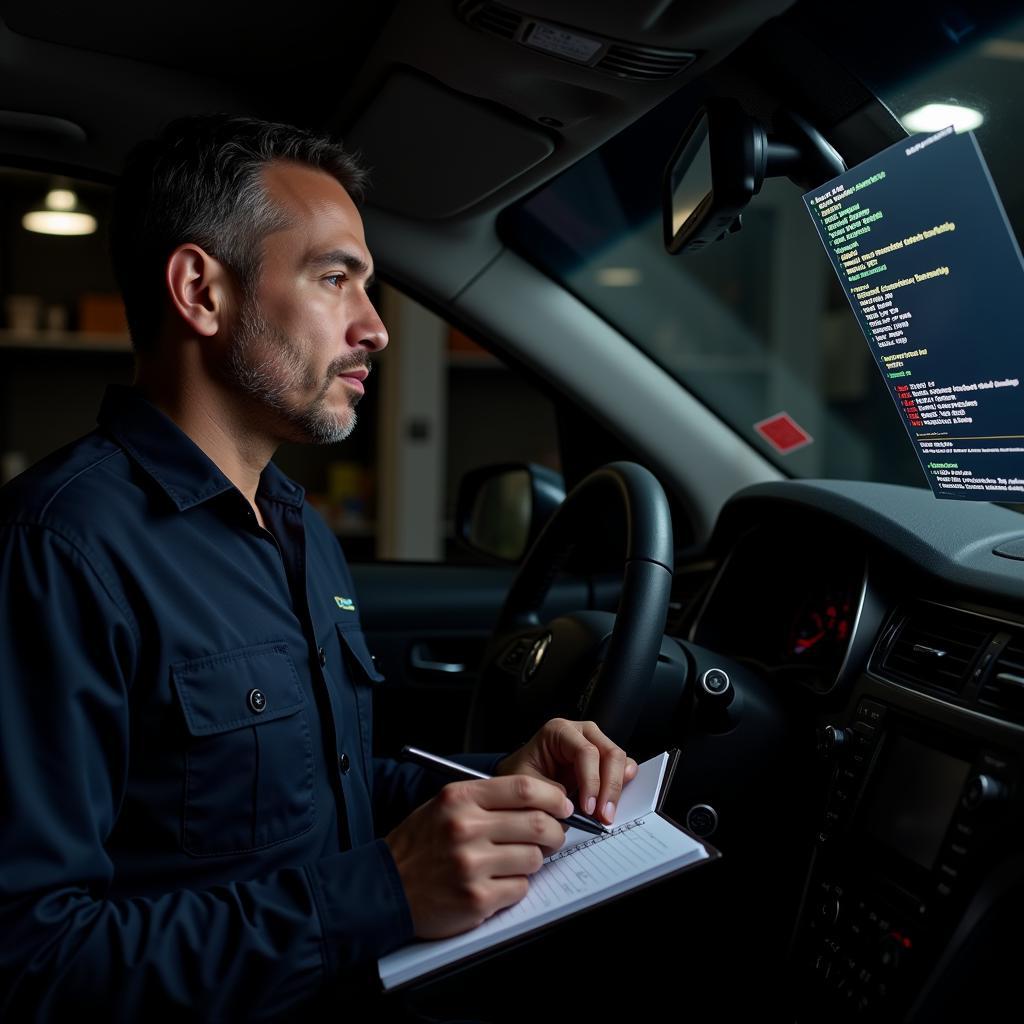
(200, 289)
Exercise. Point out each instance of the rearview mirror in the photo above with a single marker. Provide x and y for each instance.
(721, 162)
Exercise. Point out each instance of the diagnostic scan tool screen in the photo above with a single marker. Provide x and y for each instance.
(925, 254)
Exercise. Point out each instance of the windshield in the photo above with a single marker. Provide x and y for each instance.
(756, 326)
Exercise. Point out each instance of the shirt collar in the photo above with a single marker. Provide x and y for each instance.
(184, 471)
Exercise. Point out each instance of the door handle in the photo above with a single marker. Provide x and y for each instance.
(420, 658)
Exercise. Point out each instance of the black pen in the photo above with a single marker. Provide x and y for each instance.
(458, 771)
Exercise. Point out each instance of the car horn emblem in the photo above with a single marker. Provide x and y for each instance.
(535, 657)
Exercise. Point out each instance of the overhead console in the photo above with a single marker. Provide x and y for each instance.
(534, 87)
(469, 149)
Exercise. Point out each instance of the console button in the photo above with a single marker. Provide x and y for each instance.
(890, 953)
(871, 711)
(715, 681)
(702, 820)
(981, 791)
(828, 909)
(831, 741)
(994, 763)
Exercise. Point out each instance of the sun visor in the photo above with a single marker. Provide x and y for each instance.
(433, 153)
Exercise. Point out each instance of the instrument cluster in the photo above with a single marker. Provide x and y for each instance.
(788, 605)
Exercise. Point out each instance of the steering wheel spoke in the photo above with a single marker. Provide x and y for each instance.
(517, 652)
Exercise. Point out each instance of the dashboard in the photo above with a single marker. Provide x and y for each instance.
(879, 633)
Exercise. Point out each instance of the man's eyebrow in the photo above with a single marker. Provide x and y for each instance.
(349, 260)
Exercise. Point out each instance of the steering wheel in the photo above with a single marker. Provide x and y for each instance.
(587, 664)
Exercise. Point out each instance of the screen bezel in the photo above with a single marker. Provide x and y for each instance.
(881, 857)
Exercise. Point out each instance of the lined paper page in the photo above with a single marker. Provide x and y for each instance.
(570, 880)
(601, 866)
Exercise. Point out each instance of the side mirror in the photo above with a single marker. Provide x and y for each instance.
(500, 510)
(721, 162)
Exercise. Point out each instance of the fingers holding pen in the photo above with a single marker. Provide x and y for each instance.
(602, 767)
(470, 851)
(564, 751)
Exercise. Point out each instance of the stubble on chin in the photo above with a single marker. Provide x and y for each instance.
(269, 381)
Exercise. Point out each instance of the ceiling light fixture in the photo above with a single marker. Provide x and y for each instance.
(934, 116)
(59, 214)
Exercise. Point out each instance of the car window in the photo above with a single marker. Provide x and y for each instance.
(438, 406)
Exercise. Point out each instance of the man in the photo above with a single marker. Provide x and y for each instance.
(194, 822)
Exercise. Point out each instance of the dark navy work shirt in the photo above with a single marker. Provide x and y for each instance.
(187, 786)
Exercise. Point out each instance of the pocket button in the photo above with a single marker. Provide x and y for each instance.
(257, 701)
(343, 763)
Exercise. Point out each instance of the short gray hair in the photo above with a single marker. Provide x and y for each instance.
(199, 181)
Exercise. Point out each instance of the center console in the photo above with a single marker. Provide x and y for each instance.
(922, 802)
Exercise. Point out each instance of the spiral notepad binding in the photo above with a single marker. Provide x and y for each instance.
(596, 839)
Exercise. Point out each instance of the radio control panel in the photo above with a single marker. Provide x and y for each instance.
(912, 822)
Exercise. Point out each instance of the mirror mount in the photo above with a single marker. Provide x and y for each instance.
(721, 163)
(801, 153)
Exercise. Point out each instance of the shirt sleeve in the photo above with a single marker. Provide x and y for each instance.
(400, 786)
(253, 949)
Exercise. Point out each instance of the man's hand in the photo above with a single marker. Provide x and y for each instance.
(575, 754)
(469, 852)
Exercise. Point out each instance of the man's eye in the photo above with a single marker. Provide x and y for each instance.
(335, 277)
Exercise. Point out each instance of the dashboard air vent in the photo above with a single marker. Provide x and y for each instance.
(936, 646)
(1003, 691)
(643, 62)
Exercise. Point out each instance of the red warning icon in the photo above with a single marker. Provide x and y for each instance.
(783, 433)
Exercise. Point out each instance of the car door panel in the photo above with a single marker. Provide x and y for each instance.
(427, 626)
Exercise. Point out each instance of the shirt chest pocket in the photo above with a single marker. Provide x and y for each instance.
(364, 675)
(248, 750)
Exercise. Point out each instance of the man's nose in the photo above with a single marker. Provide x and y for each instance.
(367, 329)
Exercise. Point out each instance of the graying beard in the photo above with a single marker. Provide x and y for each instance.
(322, 433)
(258, 381)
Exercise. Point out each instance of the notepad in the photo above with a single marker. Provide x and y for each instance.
(643, 845)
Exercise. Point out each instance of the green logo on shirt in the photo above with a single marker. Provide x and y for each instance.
(346, 604)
